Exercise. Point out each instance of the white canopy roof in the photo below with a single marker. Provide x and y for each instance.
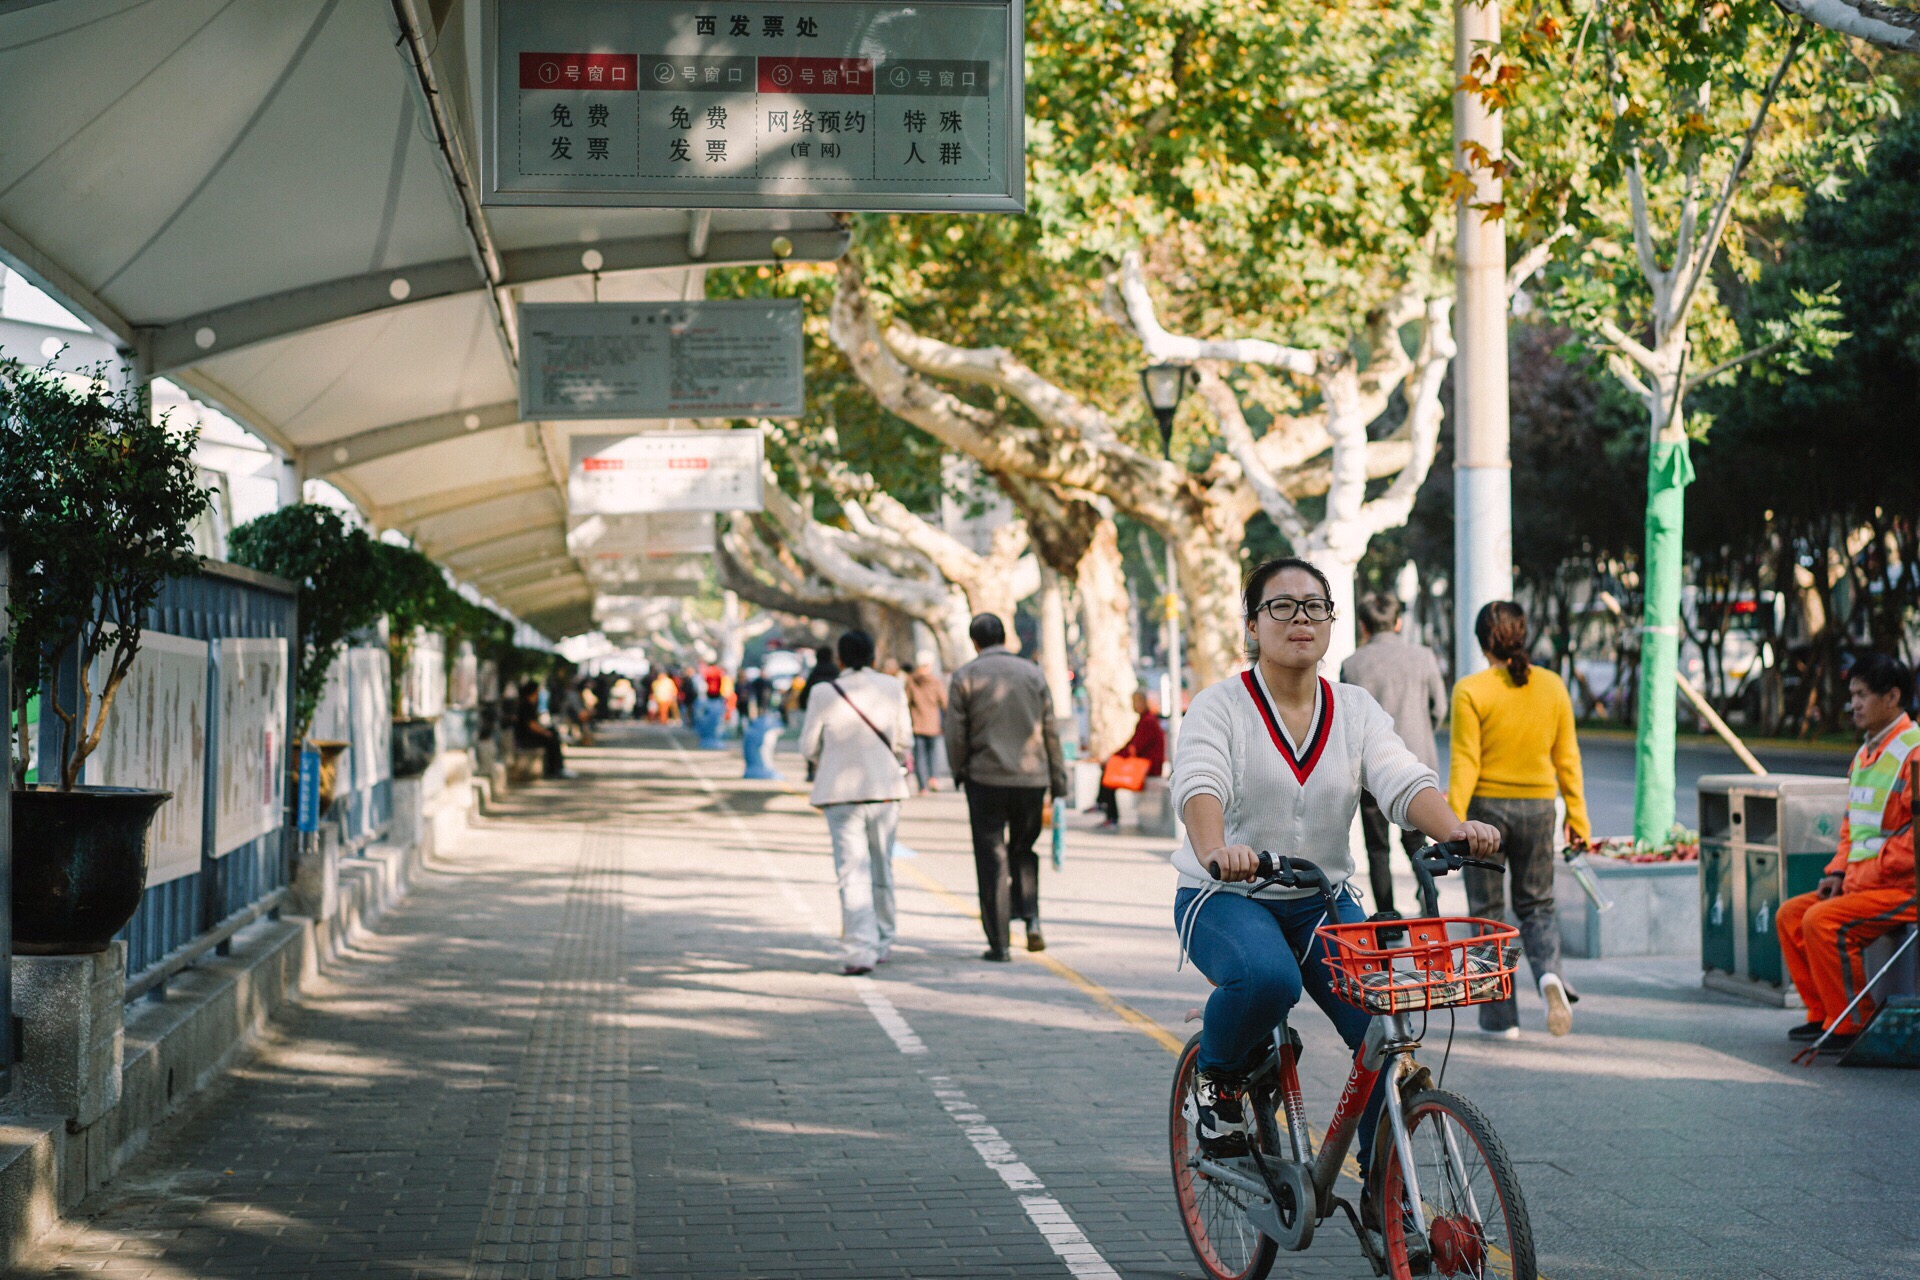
(270, 202)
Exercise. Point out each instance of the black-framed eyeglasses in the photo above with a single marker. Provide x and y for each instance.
(1287, 608)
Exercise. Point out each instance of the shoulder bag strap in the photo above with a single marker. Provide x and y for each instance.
(863, 715)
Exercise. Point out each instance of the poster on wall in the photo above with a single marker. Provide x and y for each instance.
(425, 693)
(333, 722)
(156, 738)
(463, 680)
(372, 736)
(251, 787)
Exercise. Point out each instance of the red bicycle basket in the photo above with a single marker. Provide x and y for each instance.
(1393, 966)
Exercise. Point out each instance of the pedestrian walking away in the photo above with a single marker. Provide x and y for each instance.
(1274, 760)
(855, 738)
(1513, 751)
(1868, 887)
(1404, 678)
(1148, 743)
(1003, 747)
(927, 703)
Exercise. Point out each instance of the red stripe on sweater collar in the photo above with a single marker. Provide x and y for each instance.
(1316, 737)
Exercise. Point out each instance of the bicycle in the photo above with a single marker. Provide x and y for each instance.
(1448, 1202)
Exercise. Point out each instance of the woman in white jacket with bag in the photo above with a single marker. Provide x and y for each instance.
(859, 736)
(1274, 760)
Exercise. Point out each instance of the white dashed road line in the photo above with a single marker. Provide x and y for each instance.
(1048, 1215)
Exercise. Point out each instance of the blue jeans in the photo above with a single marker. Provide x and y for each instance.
(1247, 947)
(926, 761)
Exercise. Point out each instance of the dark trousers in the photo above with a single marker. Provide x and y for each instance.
(1379, 836)
(1006, 825)
(1526, 846)
(553, 760)
(1110, 803)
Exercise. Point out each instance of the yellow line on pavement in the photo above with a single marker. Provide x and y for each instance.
(1094, 991)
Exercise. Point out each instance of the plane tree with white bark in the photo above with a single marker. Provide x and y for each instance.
(1682, 147)
(1068, 443)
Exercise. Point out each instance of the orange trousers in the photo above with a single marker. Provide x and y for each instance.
(1822, 944)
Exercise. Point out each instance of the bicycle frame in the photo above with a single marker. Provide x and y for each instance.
(1390, 1038)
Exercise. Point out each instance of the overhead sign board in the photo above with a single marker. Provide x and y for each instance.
(617, 572)
(664, 471)
(662, 533)
(787, 104)
(661, 359)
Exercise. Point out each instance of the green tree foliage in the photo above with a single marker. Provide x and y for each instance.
(335, 567)
(97, 507)
(1838, 438)
(1287, 162)
(1677, 142)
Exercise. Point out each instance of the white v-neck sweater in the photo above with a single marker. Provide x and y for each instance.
(1301, 807)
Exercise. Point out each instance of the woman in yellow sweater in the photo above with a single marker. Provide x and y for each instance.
(1513, 752)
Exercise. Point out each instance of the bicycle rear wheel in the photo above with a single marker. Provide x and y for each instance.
(1226, 1244)
(1476, 1218)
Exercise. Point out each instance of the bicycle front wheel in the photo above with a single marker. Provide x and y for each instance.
(1225, 1243)
(1476, 1219)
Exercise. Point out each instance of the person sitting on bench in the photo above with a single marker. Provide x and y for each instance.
(1868, 887)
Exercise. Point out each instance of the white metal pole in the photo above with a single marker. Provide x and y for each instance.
(1173, 649)
(1483, 470)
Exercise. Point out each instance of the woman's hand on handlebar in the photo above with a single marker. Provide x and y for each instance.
(1232, 862)
(1481, 837)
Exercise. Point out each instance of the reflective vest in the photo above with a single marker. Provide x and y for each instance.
(1870, 786)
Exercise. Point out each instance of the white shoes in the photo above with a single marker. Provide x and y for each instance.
(1505, 1033)
(1559, 1007)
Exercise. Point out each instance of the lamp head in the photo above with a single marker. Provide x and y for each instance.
(1163, 385)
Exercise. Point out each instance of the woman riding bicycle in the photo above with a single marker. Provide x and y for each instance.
(1274, 760)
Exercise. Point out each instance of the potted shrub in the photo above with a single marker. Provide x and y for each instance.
(334, 565)
(97, 507)
(414, 595)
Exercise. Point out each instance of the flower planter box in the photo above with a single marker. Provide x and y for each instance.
(1656, 909)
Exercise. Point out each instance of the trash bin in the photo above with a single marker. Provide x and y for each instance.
(1763, 839)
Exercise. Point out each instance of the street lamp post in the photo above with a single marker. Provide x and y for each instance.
(1163, 385)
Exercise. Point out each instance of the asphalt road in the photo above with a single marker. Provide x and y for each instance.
(1608, 760)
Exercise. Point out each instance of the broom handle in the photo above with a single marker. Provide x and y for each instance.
(1868, 986)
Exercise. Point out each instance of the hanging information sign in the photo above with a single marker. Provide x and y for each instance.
(663, 533)
(789, 104)
(664, 471)
(661, 360)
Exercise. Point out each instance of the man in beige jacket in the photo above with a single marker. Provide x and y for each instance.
(1004, 750)
(857, 736)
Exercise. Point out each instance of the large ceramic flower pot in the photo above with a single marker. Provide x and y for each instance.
(79, 865)
(413, 747)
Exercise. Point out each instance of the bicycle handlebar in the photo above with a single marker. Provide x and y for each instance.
(1298, 873)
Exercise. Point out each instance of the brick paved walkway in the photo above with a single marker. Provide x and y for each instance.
(606, 1038)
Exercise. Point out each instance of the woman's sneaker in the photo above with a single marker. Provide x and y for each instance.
(1217, 1110)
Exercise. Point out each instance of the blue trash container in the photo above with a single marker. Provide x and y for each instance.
(707, 715)
(757, 744)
